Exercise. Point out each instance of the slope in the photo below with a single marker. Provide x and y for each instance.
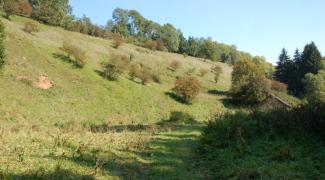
(54, 133)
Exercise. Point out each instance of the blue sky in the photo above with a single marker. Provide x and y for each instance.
(260, 27)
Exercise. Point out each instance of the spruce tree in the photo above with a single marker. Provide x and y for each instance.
(281, 73)
(310, 59)
(294, 83)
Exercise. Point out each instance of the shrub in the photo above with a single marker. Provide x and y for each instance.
(139, 71)
(117, 40)
(2, 46)
(114, 67)
(75, 54)
(187, 88)
(135, 71)
(146, 75)
(249, 84)
(217, 70)
(203, 72)
(150, 44)
(175, 65)
(254, 90)
(24, 8)
(161, 46)
(279, 86)
(31, 27)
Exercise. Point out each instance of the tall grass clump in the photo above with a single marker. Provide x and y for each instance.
(31, 27)
(217, 70)
(175, 65)
(114, 67)
(75, 55)
(142, 73)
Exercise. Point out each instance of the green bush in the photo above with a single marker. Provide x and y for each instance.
(2, 46)
(114, 67)
(249, 84)
(315, 95)
(187, 88)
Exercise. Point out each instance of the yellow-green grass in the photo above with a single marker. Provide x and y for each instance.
(47, 133)
(81, 94)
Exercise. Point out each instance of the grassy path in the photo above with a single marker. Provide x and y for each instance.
(172, 154)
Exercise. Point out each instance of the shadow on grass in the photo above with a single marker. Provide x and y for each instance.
(162, 126)
(58, 173)
(219, 93)
(176, 98)
(66, 59)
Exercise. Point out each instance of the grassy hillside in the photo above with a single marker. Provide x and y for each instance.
(86, 126)
(82, 95)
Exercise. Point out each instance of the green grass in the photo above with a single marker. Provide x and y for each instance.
(42, 131)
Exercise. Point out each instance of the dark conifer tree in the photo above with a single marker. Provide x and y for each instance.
(281, 73)
(308, 62)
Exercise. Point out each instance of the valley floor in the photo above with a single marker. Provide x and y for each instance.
(117, 152)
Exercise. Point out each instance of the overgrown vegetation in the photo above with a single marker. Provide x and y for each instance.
(262, 145)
